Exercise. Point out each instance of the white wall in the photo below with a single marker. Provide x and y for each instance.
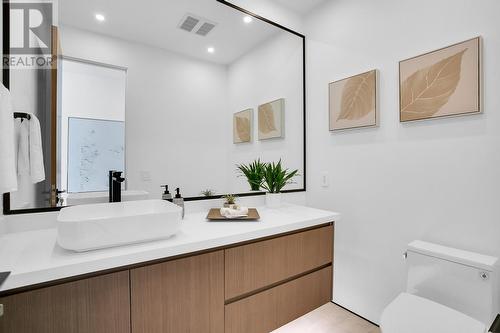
(269, 72)
(173, 113)
(436, 180)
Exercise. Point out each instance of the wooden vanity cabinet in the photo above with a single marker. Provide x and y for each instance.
(253, 287)
(95, 305)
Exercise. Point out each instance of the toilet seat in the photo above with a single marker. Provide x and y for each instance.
(413, 314)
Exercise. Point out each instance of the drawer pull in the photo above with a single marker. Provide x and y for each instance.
(1, 310)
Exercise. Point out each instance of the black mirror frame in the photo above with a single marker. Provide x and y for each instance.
(6, 81)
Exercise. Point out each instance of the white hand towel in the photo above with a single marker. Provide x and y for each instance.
(37, 168)
(29, 150)
(234, 213)
(8, 179)
(23, 148)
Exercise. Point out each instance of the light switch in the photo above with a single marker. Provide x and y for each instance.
(325, 179)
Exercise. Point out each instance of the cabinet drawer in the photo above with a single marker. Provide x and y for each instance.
(95, 305)
(258, 265)
(273, 308)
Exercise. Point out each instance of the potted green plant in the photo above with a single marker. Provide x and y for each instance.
(254, 172)
(275, 179)
(229, 200)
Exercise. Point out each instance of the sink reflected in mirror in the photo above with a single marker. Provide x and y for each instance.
(96, 226)
(86, 198)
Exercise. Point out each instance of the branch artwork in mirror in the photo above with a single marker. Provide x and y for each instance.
(271, 120)
(243, 126)
(159, 101)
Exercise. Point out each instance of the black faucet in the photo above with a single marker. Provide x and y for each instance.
(115, 185)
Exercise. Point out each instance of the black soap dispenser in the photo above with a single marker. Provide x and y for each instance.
(166, 194)
(178, 200)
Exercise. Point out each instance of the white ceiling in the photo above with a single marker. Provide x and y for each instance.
(301, 7)
(155, 23)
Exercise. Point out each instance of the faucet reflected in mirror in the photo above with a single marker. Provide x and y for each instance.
(115, 185)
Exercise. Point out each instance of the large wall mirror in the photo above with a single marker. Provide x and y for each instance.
(171, 92)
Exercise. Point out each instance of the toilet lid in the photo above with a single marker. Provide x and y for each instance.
(413, 314)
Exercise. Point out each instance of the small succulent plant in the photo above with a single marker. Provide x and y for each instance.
(208, 193)
(229, 199)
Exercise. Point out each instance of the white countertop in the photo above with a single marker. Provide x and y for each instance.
(34, 257)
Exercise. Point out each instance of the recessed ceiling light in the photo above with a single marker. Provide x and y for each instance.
(247, 19)
(211, 50)
(100, 17)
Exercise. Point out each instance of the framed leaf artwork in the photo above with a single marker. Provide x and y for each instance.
(271, 119)
(242, 126)
(441, 83)
(353, 102)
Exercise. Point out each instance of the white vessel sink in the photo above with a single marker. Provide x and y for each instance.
(89, 227)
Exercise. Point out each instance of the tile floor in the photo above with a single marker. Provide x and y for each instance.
(329, 318)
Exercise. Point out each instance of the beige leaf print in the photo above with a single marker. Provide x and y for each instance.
(243, 129)
(427, 90)
(358, 97)
(266, 119)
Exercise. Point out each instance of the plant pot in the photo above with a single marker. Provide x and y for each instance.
(273, 200)
(231, 206)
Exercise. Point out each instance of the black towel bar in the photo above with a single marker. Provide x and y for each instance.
(22, 115)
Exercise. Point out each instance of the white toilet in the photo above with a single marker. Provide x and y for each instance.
(448, 291)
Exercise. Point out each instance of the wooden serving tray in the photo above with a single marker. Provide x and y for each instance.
(214, 215)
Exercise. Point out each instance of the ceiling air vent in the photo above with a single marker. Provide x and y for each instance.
(188, 23)
(205, 29)
(196, 24)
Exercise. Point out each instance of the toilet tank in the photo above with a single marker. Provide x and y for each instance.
(465, 281)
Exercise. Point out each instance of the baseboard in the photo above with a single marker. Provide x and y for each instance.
(354, 313)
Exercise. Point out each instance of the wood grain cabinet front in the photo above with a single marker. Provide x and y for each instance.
(182, 295)
(248, 288)
(95, 305)
(254, 266)
(275, 307)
